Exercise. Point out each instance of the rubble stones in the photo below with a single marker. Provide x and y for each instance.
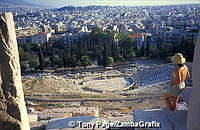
(79, 110)
(48, 116)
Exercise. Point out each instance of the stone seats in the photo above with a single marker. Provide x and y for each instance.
(168, 120)
(150, 76)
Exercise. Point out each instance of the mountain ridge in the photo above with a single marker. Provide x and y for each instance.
(12, 1)
(19, 2)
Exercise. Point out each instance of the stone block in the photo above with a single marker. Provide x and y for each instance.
(33, 117)
(186, 93)
(48, 116)
(194, 105)
(168, 120)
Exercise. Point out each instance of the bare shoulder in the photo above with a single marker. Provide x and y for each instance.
(185, 66)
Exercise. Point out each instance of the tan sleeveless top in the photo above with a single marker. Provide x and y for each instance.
(180, 75)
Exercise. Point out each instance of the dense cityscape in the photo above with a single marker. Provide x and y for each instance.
(97, 63)
(149, 28)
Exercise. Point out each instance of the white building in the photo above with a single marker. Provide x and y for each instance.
(60, 27)
(115, 28)
(84, 29)
(27, 31)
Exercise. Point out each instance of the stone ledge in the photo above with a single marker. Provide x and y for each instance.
(186, 93)
(33, 117)
(169, 120)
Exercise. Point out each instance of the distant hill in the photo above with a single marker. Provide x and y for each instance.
(19, 2)
(69, 8)
(13, 1)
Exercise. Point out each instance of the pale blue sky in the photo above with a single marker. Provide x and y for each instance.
(60, 3)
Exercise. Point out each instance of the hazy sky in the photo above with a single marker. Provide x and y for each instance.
(60, 3)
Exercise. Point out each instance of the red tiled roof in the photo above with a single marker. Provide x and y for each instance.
(137, 35)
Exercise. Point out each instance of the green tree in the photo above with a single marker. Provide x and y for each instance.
(56, 61)
(189, 49)
(109, 61)
(27, 60)
(85, 61)
(148, 49)
(34, 62)
(121, 58)
(47, 62)
(72, 61)
(24, 65)
(41, 60)
(131, 55)
(26, 47)
(165, 51)
(142, 50)
(24, 56)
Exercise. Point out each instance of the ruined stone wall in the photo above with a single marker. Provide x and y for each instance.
(13, 114)
(193, 122)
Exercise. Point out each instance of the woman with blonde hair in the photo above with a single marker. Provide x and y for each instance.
(179, 76)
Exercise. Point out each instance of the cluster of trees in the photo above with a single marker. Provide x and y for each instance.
(101, 46)
(34, 56)
(98, 46)
(27, 60)
(164, 51)
(104, 47)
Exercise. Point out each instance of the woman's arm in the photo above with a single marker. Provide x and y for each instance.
(188, 75)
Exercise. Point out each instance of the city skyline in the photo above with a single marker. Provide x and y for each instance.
(60, 3)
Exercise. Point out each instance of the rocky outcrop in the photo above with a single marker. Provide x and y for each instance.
(194, 104)
(13, 114)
